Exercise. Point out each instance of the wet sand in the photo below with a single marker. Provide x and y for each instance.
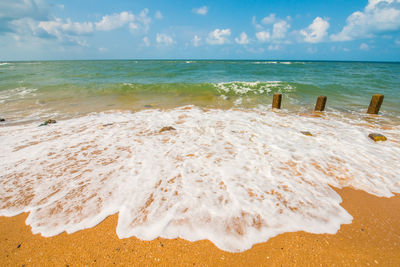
(373, 238)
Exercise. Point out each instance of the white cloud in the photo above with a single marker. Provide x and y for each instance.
(158, 15)
(275, 33)
(269, 20)
(243, 39)
(196, 41)
(164, 39)
(316, 32)
(114, 21)
(364, 47)
(58, 26)
(102, 49)
(146, 41)
(280, 29)
(219, 37)
(201, 10)
(378, 17)
(142, 21)
(12, 10)
(263, 36)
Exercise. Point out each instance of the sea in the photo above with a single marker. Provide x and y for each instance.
(192, 148)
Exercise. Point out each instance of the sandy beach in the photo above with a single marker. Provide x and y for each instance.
(373, 238)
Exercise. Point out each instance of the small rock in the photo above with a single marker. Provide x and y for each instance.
(307, 133)
(19, 245)
(167, 128)
(377, 137)
(50, 121)
(107, 124)
(1, 119)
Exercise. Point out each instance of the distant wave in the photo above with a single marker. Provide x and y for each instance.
(279, 62)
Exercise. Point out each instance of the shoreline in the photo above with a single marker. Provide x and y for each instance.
(373, 238)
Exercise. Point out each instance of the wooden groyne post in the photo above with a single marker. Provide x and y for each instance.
(276, 101)
(375, 105)
(320, 105)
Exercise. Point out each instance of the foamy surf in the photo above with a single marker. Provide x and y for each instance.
(234, 177)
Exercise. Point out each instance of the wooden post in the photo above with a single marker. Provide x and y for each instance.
(276, 101)
(375, 105)
(320, 105)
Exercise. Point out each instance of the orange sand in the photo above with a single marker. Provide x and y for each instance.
(372, 239)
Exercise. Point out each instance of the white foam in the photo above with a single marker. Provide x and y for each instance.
(235, 177)
(14, 93)
(257, 87)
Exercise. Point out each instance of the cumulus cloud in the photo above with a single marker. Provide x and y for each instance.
(263, 36)
(243, 39)
(378, 17)
(114, 21)
(280, 29)
(164, 39)
(141, 21)
(219, 36)
(59, 27)
(269, 19)
(196, 41)
(118, 20)
(13, 10)
(316, 32)
(201, 10)
(275, 29)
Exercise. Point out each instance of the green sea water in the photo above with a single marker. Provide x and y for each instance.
(34, 90)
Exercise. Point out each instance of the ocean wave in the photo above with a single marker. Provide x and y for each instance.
(235, 177)
(14, 93)
(279, 62)
(238, 88)
(258, 87)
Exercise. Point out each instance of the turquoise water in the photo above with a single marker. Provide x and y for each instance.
(65, 88)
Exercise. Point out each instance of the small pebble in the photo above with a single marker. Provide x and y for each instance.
(167, 128)
(377, 137)
(307, 133)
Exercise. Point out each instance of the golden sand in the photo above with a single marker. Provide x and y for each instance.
(372, 239)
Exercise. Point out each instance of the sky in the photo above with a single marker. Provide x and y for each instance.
(194, 29)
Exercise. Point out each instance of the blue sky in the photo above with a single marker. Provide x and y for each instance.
(193, 29)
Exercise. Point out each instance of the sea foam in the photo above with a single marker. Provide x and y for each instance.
(235, 177)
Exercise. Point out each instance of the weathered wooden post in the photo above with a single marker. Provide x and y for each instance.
(320, 105)
(276, 101)
(375, 105)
